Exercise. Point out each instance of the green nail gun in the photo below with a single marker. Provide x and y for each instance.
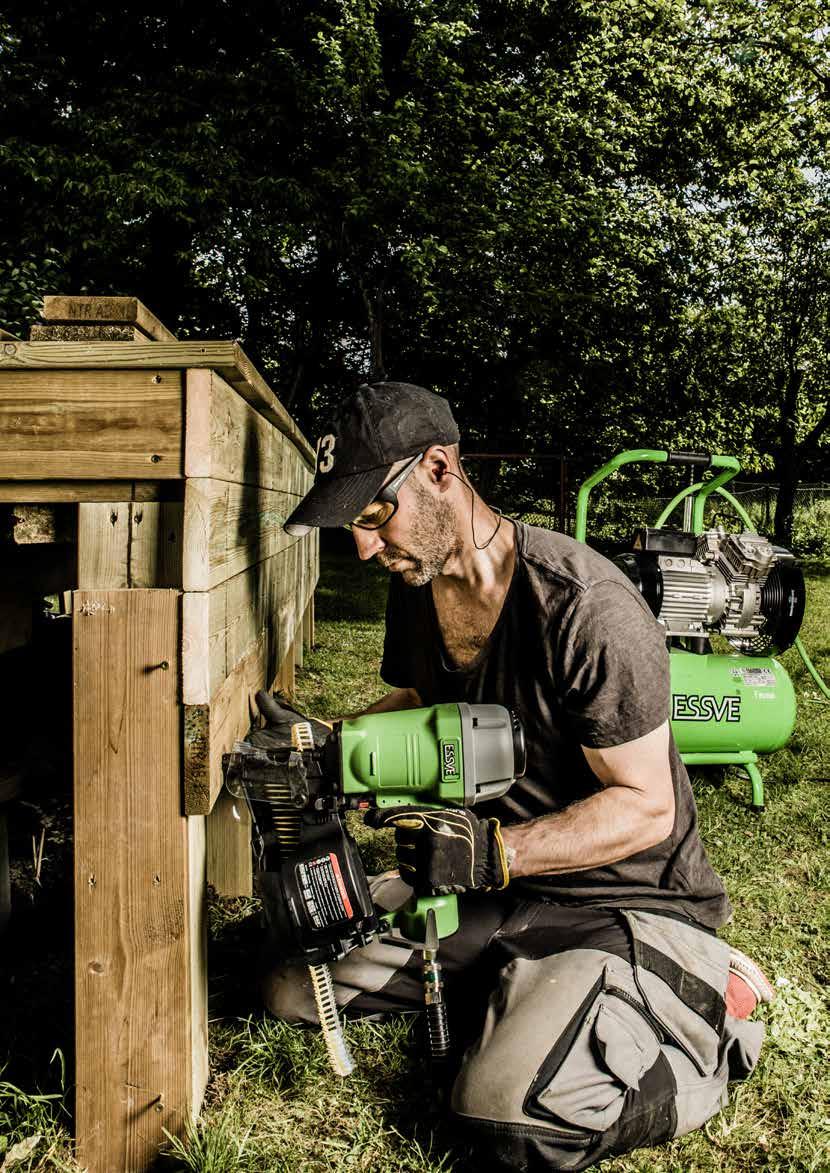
(311, 878)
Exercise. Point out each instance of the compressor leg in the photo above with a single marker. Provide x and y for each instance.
(757, 787)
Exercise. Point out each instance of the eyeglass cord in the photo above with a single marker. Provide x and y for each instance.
(467, 485)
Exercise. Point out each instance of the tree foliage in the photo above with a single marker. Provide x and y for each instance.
(593, 226)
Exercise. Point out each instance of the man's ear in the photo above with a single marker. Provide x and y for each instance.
(437, 464)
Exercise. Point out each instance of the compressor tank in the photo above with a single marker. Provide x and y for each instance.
(722, 703)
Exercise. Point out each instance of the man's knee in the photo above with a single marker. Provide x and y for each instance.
(574, 1065)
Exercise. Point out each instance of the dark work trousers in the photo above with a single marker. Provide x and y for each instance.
(590, 1031)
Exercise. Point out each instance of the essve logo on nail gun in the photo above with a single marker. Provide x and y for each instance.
(694, 707)
(449, 759)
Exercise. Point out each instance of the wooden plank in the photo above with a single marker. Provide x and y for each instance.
(197, 862)
(91, 424)
(229, 860)
(86, 333)
(134, 1000)
(98, 310)
(308, 623)
(229, 527)
(156, 529)
(103, 545)
(14, 492)
(228, 358)
(219, 699)
(129, 544)
(226, 439)
(198, 454)
(195, 648)
(211, 729)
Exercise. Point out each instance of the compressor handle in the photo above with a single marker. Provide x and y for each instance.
(703, 459)
(728, 465)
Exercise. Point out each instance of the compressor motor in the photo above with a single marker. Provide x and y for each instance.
(738, 585)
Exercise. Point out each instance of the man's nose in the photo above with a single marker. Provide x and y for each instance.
(368, 542)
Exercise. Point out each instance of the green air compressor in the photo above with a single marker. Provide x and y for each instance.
(726, 708)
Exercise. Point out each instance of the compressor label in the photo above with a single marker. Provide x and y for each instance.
(755, 677)
(323, 891)
(693, 707)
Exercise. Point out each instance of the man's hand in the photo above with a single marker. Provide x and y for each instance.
(447, 850)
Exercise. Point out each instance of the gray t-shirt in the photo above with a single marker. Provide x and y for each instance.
(579, 656)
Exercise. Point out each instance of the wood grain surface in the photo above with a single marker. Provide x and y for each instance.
(108, 424)
(137, 876)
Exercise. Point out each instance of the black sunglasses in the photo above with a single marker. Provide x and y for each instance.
(385, 503)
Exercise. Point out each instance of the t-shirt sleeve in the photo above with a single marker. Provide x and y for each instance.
(396, 667)
(614, 667)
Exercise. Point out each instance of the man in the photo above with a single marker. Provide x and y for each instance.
(590, 908)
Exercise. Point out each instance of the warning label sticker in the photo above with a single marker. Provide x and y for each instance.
(754, 677)
(323, 891)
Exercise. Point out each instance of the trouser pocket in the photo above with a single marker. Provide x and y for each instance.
(681, 974)
(600, 1057)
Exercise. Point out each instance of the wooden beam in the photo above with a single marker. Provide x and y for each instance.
(308, 623)
(229, 858)
(137, 877)
(14, 492)
(106, 310)
(227, 440)
(107, 424)
(211, 729)
(104, 545)
(228, 358)
(222, 668)
(129, 544)
(86, 333)
(156, 529)
(228, 528)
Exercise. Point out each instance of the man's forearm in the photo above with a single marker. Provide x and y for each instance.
(606, 827)
(399, 698)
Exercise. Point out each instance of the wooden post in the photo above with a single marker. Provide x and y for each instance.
(140, 1001)
(308, 624)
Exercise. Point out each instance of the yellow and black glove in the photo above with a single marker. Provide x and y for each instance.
(445, 850)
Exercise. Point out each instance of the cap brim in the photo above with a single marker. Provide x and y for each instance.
(333, 501)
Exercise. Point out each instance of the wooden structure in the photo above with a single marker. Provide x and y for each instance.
(175, 465)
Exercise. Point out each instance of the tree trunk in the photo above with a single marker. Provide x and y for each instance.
(788, 473)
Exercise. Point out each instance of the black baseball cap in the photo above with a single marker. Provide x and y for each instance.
(381, 424)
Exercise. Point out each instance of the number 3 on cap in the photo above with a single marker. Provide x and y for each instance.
(325, 454)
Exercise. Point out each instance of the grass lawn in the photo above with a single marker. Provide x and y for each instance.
(272, 1104)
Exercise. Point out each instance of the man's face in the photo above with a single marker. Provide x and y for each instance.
(419, 537)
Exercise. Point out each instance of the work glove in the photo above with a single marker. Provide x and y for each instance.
(443, 851)
(279, 717)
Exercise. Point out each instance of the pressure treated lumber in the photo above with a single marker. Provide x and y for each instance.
(129, 544)
(108, 424)
(226, 439)
(105, 311)
(228, 358)
(218, 698)
(228, 528)
(79, 332)
(14, 492)
(139, 980)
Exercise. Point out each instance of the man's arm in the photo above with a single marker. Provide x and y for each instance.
(633, 811)
(394, 701)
